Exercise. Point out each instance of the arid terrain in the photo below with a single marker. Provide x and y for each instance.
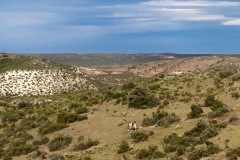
(184, 108)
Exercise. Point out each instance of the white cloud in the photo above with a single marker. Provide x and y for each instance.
(191, 3)
(234, 22)
(170, 14)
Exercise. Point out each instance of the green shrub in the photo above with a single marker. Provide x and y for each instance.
(85, 158)
(233, 118)
(22, 105)
(161, 75)
(165, 102)
(161, 118)
(85, 145)
(50, 127)
(196, 112)
(128, 86)
(154, 87)
(209, 100)
(28, 123)
(218, 113)
(139, 137)
(139, 98)
(216, 105)
(23, 135)
(43, 140)
(233, 151)
(19, 147)
(235, 95)
(56, 157)
(59, 143)
(81, 110)
(236, 77)
(197, 154)
(226, 73)
(75, 105)
(197, 135)
(3, 141)
(150, 153)
(123, 147)
(11, 116)
(65, 117)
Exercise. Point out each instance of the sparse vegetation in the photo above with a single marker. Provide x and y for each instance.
(81, 145)
(50, 127)
(139, 137)
(150, 153)
(59, 143)
(161, 118)
(123, 147)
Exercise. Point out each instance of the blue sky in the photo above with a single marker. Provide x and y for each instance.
(86, 26)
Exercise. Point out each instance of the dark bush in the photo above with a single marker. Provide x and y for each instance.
(197, 135)
(216, 105)
(19, 147)
(65, 117)
(196, 112)
(161, 75)
(218, 113)
(236, 77)
(161, 118)
(139, 98)
(139, 137)
(75, 105)
(85, 145)
(154, 87)
(24, 105)
(43, 140)
(235, 95)
(123, 147)
(150, 153)
(209, 100)
(128, 86)
(59, 143)
(11, 116)
(56, 157)
(197, 154)
(226, 73)
(50, 127)
(233, 153)
(29, 123)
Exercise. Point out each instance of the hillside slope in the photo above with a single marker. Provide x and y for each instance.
(194, 115)
(21, 75)
(169, 67)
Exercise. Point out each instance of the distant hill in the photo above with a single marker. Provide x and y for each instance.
(93, 59)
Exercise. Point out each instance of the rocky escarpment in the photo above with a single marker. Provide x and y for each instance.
(42, 82)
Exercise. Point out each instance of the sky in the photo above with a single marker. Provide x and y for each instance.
(126, 26)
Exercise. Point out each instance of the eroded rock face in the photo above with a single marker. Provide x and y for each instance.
(42, 82)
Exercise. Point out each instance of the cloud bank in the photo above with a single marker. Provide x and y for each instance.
(61, 25)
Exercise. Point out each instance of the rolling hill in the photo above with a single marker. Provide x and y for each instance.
(109, 59)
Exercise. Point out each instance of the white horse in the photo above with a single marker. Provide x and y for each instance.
(131, 125)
